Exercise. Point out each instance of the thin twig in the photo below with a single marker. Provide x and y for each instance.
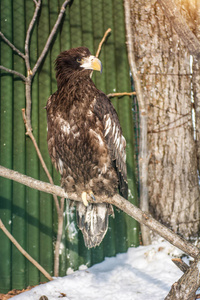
(116, 200)
(51, 36)
(12, 46)
(27, 62)
(121, 94)
(167, 129)
(28, 35)
(33, 261)
(13, 72)
(30, 134)
(102, 41)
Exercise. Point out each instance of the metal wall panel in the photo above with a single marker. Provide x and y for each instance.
(28, 214)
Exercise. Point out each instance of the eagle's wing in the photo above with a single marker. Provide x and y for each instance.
(115, 140)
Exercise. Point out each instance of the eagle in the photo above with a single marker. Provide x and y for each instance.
(85, 141)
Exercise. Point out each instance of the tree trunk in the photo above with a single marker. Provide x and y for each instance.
(164, 66)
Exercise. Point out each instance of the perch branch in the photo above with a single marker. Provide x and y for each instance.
(33, 261)
(13, 72)
(102, 41)
(143, 150)
(51, 36)
(33, 183)
(180, 26)
(116, 200)
(11, 45)
(120, 94)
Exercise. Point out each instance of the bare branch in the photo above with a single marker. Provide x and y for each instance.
(33, 183)
(131, 57)
(102, 41)
(28, 35)
(33, 261)
(120, 94)
(180, 25)
(13, 72)
(59, 236)
(116, 200)
(28, 100)
(143, 152)
(185, 288)
(180, 264)
(30, 134)
(12, 46)
(51, 36)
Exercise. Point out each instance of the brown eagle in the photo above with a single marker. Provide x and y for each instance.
(85, 141)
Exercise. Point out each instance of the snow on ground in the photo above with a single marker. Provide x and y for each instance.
(142, 273)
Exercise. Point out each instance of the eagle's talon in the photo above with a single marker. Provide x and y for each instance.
(84, 198)
(92, 195)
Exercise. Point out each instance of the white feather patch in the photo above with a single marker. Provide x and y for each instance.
(107, 125)
(101, 142)
(60, 166)
(65, 127)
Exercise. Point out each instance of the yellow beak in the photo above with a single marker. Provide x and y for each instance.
(92, 63)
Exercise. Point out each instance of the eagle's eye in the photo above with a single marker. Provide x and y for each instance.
(78, 60)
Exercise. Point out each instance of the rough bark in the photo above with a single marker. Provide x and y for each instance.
(179, 24)
(164, 65)
(196, 85)
(185, 288)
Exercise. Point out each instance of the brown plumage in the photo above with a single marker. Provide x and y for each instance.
(85, 140)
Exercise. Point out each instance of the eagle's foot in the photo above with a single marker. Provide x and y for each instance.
(92, 195)
(84, 198)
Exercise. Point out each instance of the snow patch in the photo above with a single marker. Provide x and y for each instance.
(140, 274)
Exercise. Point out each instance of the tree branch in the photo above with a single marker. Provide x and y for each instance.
(102, 41)
(11, 45)
(33, 183)
(30, 134)
(28, 35)
(120, 94)
(116, 200)
(33, 261)
(180, 26)
(180, 264)
(13, 72)
(59, 237)
(51, 36)
(59, 207)
(143, 151)
(185, 288)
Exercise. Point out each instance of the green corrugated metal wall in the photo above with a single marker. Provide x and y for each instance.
(28, 214)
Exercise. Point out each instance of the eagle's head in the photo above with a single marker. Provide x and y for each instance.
(76, 61)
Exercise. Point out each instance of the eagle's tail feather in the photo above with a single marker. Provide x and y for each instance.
(93, 222)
